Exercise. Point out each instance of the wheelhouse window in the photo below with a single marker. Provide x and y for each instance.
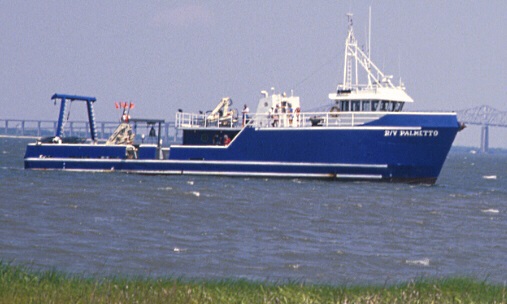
(366, 105)
(356, 106)
(383, 105)
(398, 106)
(371, 105)
(374, 105)
(345, 105)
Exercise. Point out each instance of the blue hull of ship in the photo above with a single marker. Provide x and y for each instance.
(409, 148)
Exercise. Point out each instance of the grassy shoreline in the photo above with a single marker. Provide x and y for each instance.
(21, 285)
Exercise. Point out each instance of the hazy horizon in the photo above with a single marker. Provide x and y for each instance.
(165, 55)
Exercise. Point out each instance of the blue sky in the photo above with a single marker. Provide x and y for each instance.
(166, 55)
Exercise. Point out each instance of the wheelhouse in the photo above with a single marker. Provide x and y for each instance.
(365, 88)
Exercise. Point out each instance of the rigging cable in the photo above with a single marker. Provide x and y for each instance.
(315, 71)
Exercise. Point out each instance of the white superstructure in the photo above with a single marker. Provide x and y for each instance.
(377, 94)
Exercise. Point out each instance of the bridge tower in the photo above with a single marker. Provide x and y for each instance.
(484, 138)
(484, 116)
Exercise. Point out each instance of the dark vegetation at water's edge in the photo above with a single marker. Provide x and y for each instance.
(22, 285)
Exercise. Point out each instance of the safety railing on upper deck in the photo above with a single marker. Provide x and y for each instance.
(193, 120)
(281, 120)
(314, 119)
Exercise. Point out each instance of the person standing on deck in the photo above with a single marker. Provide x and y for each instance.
(245, 112)
(290, 114)
(227, 140)
(276, 116)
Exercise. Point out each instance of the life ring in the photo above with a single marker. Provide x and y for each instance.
(334, 111)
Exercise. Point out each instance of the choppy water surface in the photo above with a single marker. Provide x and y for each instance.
(258, 229)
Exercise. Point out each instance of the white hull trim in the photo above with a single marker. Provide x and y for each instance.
(211, 162)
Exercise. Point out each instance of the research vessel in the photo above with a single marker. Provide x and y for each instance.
(362, 134)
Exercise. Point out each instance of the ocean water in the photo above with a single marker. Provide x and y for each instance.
(304, 230)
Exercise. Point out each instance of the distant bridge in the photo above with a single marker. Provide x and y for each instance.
(42, 128)
(486, 117)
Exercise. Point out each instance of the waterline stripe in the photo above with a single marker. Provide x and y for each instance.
(233, 173)
(211, 162)
(359, 176)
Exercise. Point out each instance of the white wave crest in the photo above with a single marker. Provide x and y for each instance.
(294, 266)
(490, 211)
(165, 188)
(422, 262)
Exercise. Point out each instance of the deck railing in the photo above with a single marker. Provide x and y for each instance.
(281, 120)
(170, 133)
(193, 120)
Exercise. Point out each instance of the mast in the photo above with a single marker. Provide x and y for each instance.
(375, 77)
(369, 45)
(369, 33)
(350, 51)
